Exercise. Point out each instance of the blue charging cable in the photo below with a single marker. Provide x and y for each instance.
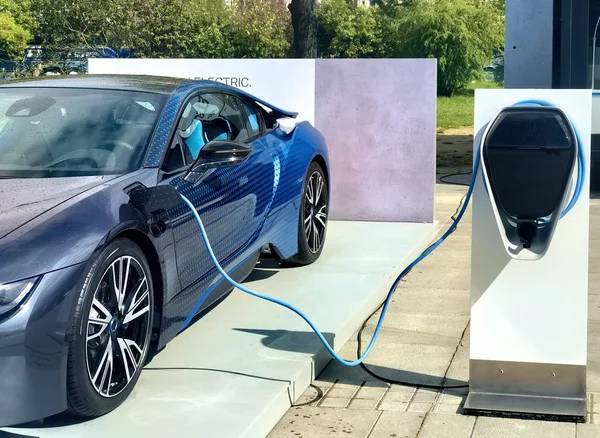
(299, 312)
(429, 250)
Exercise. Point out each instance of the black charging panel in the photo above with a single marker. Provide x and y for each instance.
(529, 154)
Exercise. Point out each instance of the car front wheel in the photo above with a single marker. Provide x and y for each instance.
(110, 338)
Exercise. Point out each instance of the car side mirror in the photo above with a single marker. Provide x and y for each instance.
(217, 154)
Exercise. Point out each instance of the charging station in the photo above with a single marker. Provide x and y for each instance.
(529, 262)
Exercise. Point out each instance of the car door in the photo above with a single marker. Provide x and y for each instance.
(231, 204)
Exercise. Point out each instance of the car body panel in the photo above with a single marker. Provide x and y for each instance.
(73, 229)
(26, 199)
(33, 349)
(245, 208)
(231, 207)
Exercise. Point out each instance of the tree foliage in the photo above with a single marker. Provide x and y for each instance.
(260, 29)
(347, 30)
(461, 34)
(166, 28)
(16, 25)
(500, 5)
(66, 25)
(208, 22)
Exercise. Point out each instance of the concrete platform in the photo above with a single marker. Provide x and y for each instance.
(236, 371)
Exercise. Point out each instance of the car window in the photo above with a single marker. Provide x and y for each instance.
(221, 117)
(54, 132)
(175, 158)
(205, 118)
(253, 117)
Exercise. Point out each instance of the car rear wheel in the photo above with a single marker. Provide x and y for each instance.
(110, 338)
(314, 211)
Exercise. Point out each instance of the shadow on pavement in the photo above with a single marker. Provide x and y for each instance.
(307, 342)
(58, 420)
(335, 371)
(260, 274)
(4, 434)
(293, 341)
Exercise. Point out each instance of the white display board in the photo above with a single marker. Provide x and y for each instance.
(523, 310)
(286, 83)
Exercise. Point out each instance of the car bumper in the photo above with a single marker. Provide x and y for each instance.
(33, 350)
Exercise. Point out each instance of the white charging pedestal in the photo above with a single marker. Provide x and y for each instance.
(529, 317)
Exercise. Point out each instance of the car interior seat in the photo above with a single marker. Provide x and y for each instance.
(218, 129)
(194, 139)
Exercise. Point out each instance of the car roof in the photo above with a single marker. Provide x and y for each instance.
(149, 84)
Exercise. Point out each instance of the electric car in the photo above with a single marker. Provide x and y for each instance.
(101, 261)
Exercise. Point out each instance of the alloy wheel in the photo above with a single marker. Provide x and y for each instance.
(118, 326)
(315, 212)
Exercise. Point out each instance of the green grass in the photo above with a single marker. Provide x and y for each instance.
(457, 111)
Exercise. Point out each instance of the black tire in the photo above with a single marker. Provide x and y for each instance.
(308, 252)
(84, 394)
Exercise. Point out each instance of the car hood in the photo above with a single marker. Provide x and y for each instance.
(22, 200)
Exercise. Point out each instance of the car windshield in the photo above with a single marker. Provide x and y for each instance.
(61, 132)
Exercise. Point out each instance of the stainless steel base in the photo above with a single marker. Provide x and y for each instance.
(527, 389)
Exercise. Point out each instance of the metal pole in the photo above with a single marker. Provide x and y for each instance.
(594, 53)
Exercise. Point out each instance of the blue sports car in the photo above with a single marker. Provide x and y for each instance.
(101, 261)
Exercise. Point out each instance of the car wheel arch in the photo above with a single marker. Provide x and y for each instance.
(320, 160)
(145, 244)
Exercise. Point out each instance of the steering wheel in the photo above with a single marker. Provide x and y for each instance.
(76, 161)
(118, 144)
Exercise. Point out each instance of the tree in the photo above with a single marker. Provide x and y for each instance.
(163, 28)
(260, 29)
(500, 5)
(66, 25)
(499, 70)
(152, 28)
(304, 23)
(209, 23)
(347, 30)
(178, 28)
(461, 34)
(16, 24)
(388, 16)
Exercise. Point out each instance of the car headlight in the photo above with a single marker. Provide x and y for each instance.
(13, 294)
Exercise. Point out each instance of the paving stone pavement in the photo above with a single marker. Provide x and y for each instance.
(425, 339)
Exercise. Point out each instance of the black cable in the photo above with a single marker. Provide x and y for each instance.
(443, 178)
(453, 217)
(402, 382)
(318, 397)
